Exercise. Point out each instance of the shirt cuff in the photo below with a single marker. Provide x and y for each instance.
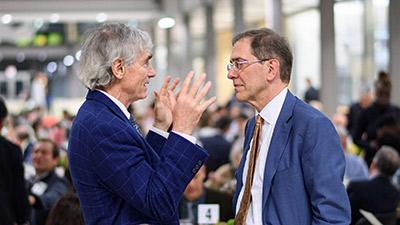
(186, 136)
(166, 134)
(159, 132)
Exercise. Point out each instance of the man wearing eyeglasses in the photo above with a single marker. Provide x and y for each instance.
(292, 167)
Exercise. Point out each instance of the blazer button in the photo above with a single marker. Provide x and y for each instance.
(194, 170)
(199, 162)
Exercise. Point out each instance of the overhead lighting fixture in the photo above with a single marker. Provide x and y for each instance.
(20, 57)
(166, 22)
(54, 18)
(101, 17)
(68, 60)
(52, 67)
(6, 19)
(38, 23)
(10, 72)
(78, 55)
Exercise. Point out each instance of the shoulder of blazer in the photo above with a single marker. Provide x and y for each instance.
(99, 97)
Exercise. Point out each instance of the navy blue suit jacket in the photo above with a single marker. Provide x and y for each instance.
(121, 177)
(304, 169)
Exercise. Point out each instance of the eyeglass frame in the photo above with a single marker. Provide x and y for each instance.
(237, 63)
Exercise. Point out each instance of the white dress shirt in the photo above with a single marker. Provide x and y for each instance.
(270, 115)
(152, 128)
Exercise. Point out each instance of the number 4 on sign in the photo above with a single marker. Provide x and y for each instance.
(208, 214)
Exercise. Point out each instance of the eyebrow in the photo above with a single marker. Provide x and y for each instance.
(237, 59)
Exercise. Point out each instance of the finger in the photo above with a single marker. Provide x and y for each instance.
(172, 98)
(174, 84)
(203, 91)
(207, 103)
(156, 96)
(164, 87)
(186, 83)
(197, 84)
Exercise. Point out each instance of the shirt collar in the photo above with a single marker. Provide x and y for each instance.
(117, 102)
(271, 111)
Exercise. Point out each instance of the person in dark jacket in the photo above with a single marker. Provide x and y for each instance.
(46, 187)
(14, 208)
(377, 195)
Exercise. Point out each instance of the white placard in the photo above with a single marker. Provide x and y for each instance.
(370, 217)
(208, 214)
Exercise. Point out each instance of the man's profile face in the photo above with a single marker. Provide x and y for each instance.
(250, 80)
(137, 76)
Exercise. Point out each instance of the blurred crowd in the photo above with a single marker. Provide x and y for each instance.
(369, 131)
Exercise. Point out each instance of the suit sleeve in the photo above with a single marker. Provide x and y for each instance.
(154, 189)
(323, 166)
(20, 197)
(156, 141)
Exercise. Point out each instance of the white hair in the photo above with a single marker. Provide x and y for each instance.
(103, 45)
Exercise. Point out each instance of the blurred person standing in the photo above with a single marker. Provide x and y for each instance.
(356, 108)
(365, 134)
(311, 94)
(120, 176)
(45, 187)
(292, 169)
(14, 207)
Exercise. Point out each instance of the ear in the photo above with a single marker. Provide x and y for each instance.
(118, 68)
(273, 66)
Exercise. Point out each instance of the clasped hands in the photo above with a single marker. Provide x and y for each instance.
(184, 108)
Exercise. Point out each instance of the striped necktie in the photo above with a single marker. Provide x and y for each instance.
(241, 216)
(135, 125)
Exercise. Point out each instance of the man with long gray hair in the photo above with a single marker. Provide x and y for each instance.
(120, 176)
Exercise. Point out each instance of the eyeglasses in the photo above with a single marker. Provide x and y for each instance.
(237, 65)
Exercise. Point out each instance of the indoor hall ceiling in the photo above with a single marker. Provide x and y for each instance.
(81, 10)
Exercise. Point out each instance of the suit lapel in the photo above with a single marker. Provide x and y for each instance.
(278, 143)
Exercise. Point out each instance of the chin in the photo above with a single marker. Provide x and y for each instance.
(240, 97)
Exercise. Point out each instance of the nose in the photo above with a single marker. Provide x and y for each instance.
(152, 72)
(232, 74)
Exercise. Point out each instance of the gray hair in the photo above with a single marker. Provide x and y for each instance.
(103, 45)
(387, 160)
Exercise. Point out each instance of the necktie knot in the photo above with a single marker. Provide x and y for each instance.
(135, 124)
(259, 120)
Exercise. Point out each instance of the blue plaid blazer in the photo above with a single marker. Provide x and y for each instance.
(122, 177)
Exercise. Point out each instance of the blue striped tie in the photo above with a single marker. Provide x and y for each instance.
(135, 125)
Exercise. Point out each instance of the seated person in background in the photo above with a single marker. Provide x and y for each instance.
(195, 194)
(223, 179)
(377, 195)
(46, 187)
(356, 167)
(66, 211)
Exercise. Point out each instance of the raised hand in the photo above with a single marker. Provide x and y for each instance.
(163, 106)
(190, 103)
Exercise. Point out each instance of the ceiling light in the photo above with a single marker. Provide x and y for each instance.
(52, 67)
(166, 22)
(6, 19)
(101, 17)
(54, 18)
(68, 60)
(78, 55)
